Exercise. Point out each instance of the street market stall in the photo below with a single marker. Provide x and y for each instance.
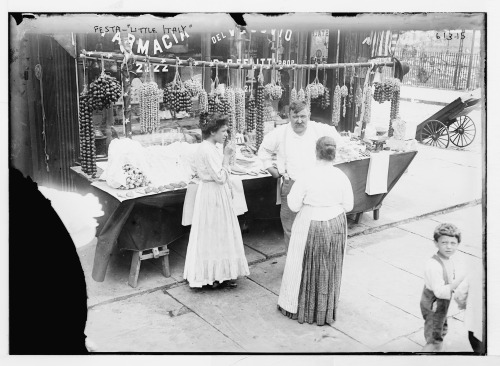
(144, 196)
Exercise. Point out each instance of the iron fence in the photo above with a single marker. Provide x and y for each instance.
(442, 70)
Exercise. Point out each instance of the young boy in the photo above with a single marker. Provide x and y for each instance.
(440, 282)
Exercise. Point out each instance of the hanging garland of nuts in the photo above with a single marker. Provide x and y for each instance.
(368, 105)
(104, 91)
(351, 88)
(260, 110)
(149, 99)
(193, 86)
(344, 92)
(336, 103)
(358, 99)
(293, 93)
(230, 96)
(394, 105)
(325, 97)
(273, 90)
(251, 113)
(87, 134)
(203, 100)
(315, 89)
(239, 95)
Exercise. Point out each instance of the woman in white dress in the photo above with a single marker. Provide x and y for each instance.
(215, 253)
(311, 281)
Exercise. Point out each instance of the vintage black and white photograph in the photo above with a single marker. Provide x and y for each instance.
(247, 183)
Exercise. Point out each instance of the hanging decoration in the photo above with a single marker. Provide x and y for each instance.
(396, 90)
(240, 104)
(251, 110)
(351, 88)
(260, 110)
(194, 87)
(230, 96)
(344, 92)
(203, 100)
(87, 134)
(315, 89)
(366, 104)
(325, 97)
(272, 90)
(293, 93)
(149, 101)
(104, 91)
(336, 103)
(358, 99)
(175, 95)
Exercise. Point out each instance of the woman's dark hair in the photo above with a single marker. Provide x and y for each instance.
(213, 123)
(325, 148)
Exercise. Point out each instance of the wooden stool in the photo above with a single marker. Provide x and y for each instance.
(138, 256)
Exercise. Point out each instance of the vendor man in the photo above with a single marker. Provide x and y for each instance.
(294, 146)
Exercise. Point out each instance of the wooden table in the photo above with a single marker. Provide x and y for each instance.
(155, 220)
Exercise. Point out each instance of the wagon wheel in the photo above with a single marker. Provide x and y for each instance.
(435, 133)
(462, 131)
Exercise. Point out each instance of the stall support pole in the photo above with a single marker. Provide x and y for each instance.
(205, 56)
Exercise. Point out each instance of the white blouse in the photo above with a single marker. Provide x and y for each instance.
(208, 164)
(324, 187)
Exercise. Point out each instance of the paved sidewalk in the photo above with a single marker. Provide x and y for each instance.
(379, 306)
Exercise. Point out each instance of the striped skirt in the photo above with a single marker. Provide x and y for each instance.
(321, 272)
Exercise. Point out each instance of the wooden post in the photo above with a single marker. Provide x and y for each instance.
(165, 266)
(135, 267)
(205, 56)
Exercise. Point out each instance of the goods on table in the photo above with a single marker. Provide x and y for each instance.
(149, 100)
(134, 177)
(351, 149)
(87, 135)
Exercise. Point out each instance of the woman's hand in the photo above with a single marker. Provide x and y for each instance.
(229, 149)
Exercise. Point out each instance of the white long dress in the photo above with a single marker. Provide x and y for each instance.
(215, 250)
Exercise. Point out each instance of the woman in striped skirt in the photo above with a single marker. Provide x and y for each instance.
(311, 281)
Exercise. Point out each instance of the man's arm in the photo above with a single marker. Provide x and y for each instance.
(267, 150)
